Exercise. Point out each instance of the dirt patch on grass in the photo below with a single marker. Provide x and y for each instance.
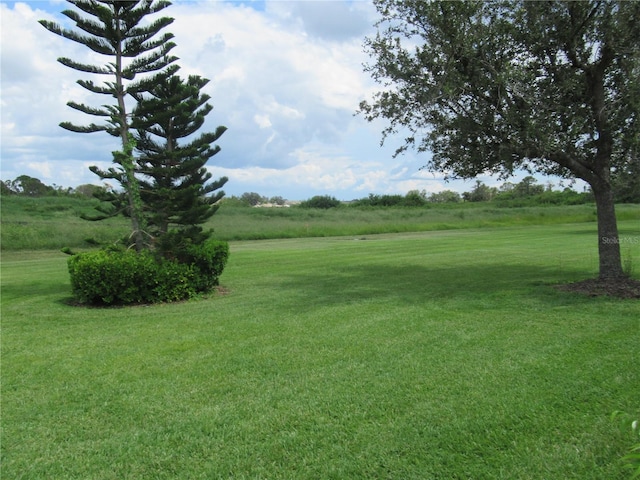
(220, 290)
(594, 287)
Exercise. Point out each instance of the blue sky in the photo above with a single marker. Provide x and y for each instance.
(285, 78)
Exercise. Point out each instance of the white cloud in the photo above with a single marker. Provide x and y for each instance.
(275, 87)
(285, 81)
(44, 169)
(35, 89)
(285, 78)
(329, 21)
(262, 120)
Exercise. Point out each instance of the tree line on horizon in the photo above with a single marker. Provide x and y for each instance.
(528, 189)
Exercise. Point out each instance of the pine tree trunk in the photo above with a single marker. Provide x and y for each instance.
(608, 238)
(131, 186)
(132, 191)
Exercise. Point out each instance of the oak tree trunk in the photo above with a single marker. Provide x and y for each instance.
(608, 239)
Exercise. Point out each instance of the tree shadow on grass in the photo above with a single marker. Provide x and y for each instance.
(416, 284)
(41, 288)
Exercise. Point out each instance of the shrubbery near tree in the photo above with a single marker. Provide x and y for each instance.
(122, 276)
(252, 199)
(88, 190)
(480, 193)
(26, 186)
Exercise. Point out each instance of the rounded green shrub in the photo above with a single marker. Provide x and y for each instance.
(121, 277)
(208, 260)
(321, 201)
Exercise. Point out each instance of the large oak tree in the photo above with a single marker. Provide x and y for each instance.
(494, 86)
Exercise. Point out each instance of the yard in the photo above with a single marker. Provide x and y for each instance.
(430, 355)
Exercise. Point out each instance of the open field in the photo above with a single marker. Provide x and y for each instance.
(54, 222)
(432, 355)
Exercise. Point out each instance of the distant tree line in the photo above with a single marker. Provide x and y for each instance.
(252, 199)
(526, 192)
(27, 186)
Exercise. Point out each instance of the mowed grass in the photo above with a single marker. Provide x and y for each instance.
(436, 355)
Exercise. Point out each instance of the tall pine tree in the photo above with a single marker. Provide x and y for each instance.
(119, 30)
(172, 174)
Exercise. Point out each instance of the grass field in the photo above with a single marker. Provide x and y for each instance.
(54, 222)
(430, 355)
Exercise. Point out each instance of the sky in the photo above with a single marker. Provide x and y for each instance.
(286, 78)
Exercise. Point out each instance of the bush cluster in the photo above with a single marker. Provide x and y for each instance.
(122, 277)
(547, 197)
(411, 199)
(321, 201)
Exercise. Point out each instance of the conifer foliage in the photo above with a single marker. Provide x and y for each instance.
(161, 166)
(173, 177)
(116, 30)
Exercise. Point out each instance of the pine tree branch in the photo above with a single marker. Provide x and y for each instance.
(89, 110)
(86, 129)
(83, 67)
(92, 87)
(93, 43)
(147, 84)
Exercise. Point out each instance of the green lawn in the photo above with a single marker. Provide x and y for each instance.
(434, 355)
